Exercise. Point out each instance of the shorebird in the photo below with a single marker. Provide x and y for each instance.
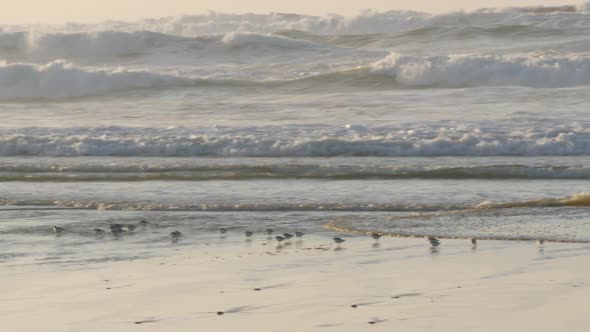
(58, 229)
(433, 241)
(338, 240)
(376, 236)
(175, 234)
(248, 234)
(473, 241)
(98, 231)
(287, 236)
(116, 228)
(222, 230)
(131, 228)
(143, 223)
(540, 242)
(269, 232)
(299, 234)
(279, 239)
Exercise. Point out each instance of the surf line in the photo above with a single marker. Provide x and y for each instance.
(577, 200)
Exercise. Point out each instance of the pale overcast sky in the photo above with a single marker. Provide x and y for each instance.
(56, 11)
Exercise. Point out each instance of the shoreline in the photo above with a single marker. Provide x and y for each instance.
(308, 285)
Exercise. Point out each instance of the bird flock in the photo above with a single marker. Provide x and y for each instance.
(117, 229)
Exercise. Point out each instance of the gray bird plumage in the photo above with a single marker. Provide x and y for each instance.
(433, 241)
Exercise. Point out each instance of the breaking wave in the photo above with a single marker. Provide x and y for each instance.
(581, 199)
(295, 141)
(485, 70)
(110, 44)
(59, 79)
(368, 22)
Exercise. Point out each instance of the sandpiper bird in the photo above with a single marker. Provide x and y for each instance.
(433, 241)
(175, 234)
(98, 231)
(248, 234)
(541, 242)
(376, 236)
(299, 234)
(143, 223)
(287, 236)
(222, 230)
(116, 228)
(58, 229)
(338, 240)
(473, 241)
(131, 228)
(269, 231)
(279, 238)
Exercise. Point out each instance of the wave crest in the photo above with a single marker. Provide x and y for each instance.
(287, 141)
(485, 70)
(60, 79)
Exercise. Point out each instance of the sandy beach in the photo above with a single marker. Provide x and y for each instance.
(396, 285)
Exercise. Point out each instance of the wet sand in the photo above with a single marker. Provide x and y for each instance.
(397, 285)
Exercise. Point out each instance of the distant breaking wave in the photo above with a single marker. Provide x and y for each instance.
(294, 141)
(368, 22)
(485, 70)
(60, 79)
(95, 46)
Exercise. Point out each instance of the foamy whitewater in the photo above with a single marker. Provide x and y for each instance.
(467, 124)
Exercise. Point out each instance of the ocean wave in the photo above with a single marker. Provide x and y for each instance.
(223, 207)
(60, 79)
(485, 70)
(120, 45)
(367, 22)
(577, 200)
(186, 172)
(482, 221)
(580, 199)
(295, 141)
(82, 44)
(236, 39)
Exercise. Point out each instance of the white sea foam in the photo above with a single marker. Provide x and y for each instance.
(235, 39)
(368, 22)
(299, 142)
(35, 44)
(60, 79)
(485, 70)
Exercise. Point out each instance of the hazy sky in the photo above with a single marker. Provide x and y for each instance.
(55, 11)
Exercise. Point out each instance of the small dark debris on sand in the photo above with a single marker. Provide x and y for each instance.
(145, 321)
(220, 313)
(398, 296)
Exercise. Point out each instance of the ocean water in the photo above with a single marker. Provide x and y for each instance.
(457, 125)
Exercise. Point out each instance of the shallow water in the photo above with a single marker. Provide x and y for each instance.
(456, 125)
